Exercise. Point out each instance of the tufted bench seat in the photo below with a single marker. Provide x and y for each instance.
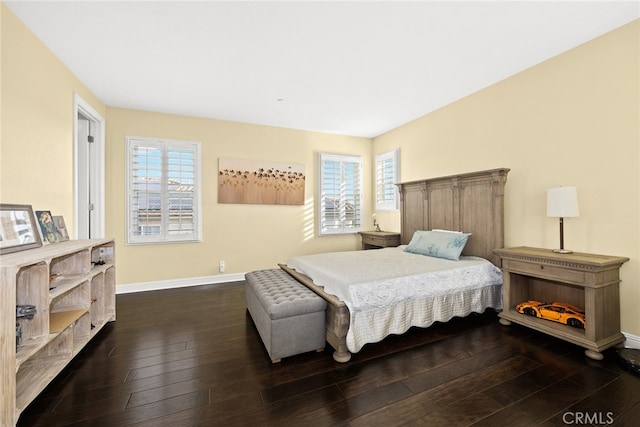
(288, 315)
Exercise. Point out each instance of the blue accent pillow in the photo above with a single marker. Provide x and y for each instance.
(439, 244)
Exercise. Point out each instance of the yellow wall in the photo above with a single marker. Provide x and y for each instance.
(572, 120)
(36, 152)
(36, 167)
(246, 237)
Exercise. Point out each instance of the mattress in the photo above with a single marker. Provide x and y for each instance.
(389, 290)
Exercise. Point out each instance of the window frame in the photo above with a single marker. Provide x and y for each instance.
(387, 204)
(165, 145)
(358, 212)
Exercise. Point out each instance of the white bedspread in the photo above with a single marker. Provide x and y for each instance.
(388, 290)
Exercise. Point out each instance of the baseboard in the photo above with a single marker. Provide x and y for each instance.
(178, 283)
(632, 341)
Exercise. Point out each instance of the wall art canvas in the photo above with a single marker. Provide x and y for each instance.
(47, 227)
(18, 228)
(61, 229)
(260, 182)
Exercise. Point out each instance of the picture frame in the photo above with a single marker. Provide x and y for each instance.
(47, 227)
(18, 228)
(260, 182)
(61, 229)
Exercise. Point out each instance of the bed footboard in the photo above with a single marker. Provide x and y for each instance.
(336, 318)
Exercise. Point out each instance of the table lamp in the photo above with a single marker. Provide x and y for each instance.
(562, 202)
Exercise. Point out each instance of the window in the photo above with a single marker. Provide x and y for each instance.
(340, 209)
(163, 191)
(387, 175)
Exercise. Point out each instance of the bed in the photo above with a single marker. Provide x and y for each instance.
(374, 293)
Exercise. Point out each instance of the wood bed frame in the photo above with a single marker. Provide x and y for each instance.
(471, 202)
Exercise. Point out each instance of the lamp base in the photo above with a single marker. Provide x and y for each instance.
(563, 251)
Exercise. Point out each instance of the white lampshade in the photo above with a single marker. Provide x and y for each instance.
(562, 202)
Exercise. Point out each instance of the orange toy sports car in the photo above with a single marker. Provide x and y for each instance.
(556, 311)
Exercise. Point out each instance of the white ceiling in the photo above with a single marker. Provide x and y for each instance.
(353, 68)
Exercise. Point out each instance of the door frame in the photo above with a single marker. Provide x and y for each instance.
(96, 167)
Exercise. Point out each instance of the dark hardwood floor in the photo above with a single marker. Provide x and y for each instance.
(192, 357)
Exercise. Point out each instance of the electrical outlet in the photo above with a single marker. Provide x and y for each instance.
(221, 266)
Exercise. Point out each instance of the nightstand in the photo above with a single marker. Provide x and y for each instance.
(584, 280)
(379, 239)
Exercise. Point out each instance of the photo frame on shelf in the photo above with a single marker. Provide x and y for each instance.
(61, 229)
(47, 227)
(18, 228)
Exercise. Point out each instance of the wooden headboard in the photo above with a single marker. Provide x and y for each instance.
(471, 202)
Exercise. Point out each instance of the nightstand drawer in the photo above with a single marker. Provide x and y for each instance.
(546, 271)
(380, 241)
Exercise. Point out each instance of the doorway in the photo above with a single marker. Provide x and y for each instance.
(89, 181)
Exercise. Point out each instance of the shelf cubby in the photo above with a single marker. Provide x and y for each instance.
(35, 373)
(103, 254)
(77, 297)
(71, 263)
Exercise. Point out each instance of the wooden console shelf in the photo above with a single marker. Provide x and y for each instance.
(584, 280)
(72, 286)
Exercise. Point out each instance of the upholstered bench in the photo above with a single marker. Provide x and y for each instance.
(288, 315)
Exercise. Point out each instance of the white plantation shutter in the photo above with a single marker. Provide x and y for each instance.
(340, 209)
(387, 175)
(163, 182)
